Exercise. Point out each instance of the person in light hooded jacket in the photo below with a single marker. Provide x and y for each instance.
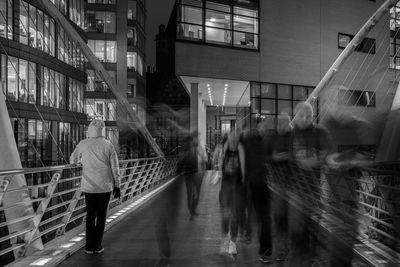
(100, 177)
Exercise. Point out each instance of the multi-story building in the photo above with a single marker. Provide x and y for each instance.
(43, 77)
(263, 57)
(116, 35)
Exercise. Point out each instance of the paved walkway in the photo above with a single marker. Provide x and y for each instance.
(133, 242)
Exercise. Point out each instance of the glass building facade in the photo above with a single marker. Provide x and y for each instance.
(120, 46)
(43, 77)
(268, 100)
(232, 23)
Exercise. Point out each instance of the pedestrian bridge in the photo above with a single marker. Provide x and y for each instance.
(358, 209)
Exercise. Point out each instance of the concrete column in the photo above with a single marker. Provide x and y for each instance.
(194, 107)
(203, 124)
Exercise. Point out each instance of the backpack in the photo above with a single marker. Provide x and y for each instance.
(231, 162)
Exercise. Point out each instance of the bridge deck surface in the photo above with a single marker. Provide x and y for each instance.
(133, 241)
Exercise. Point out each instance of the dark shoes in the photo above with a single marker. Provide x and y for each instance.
(89, 252)
(266, 257)
(99, 251)
(92, 252)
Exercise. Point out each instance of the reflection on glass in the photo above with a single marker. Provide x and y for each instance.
(254, 89)
(131, 60)
(284, 91)
(267, 106)
(109, 22)
(32, 83)
(111, 51)
(191, 32)
(23, 78)
(132, 12)
(32, 26)
(62, 102)
(46, 34)
(3, 18)
(285, 106)
(268, 90)
(190, 14)
(245, 24)
(218, 35)
(46, 87)
(245, 12)
(299, 92)
(40, 23)
(99, 49)
(12, 80)
(31, 142)
(218, 19)
(23, 22)
(132, 36)
(245, 39)
(221, 5)
(255, 105)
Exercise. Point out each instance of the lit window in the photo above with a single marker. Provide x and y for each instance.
(226, 22)
(131, 60)
(132, 11)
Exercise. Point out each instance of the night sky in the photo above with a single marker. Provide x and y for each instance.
(158, 12)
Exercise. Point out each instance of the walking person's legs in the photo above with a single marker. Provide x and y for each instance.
(189, 192)
(91, 207)
(261, 200)
(225, 200)
(198, 179)
(101, 214)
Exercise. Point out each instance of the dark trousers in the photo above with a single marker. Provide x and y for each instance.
(96, 213)
(245, 207)
(230, 198)
(193, 186)
(261, 202)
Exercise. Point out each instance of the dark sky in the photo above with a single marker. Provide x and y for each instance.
(158, 12)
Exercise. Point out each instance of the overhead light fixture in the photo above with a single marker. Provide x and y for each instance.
(210, 96)
(208, 85)
(212, 19)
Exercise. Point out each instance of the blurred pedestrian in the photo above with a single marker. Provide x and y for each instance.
(100, 177)
(280, 147)
(309, 148)
(193, 165)
(255, 174)
(230, 195)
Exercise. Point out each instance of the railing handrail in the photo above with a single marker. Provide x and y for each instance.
(37, 169)
(67, 166)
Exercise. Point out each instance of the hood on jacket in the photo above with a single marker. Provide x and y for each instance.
(96, 129)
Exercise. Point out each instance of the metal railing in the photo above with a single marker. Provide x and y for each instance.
(59, 205)
(366, 200)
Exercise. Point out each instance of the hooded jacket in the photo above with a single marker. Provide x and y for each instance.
(100, 167)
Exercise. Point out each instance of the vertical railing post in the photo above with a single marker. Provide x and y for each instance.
(70, 210)
(41, 210)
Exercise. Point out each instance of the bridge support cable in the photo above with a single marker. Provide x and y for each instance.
(361, 34)
(96, 64)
